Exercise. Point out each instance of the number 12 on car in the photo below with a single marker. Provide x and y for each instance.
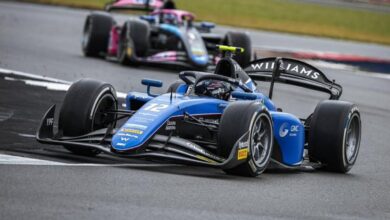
(155, 107)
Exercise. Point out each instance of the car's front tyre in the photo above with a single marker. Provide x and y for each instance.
(252, 119)
(83, 111)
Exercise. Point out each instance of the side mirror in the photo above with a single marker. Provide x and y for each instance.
(151, 83)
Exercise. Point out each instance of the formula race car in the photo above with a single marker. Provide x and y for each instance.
(165, 37)
(215, 119)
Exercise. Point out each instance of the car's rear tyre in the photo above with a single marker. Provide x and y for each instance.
(334, 135)
(96, 34)
(239, 118)
(134, 41)
(238, 39)
(81, 111)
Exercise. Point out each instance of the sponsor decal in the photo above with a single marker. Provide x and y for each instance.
(127, 135)
(133, 131)
(120, 144)
(137, 126)
(286, 129)
(294, 128)
(148, 114)
(125, 139)
(291, 68)
(142, 119)
(242, 154)
(171, 125)
(243, 145)
(202, 151)
(283, 130)
(49, 121)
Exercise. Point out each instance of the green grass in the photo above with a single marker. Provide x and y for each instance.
(282, 16)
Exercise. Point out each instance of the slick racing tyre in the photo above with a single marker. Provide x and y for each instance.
(238, 39)
(334, 135)
(96, 34)
(134, 41)
(82, 111)
(246, 118)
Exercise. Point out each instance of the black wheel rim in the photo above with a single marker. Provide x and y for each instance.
(102, 119)
(261, 138)
(352, 139)
(86, 35)
(124, 45)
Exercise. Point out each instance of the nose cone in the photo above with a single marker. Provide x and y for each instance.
(144, 123)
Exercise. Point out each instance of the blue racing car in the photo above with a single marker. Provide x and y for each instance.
(215, 119)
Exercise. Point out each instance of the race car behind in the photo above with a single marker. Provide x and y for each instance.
(163, 37)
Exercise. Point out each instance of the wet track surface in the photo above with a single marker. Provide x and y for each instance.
(46, 41)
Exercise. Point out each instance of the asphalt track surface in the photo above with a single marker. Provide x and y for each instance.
(46, 41)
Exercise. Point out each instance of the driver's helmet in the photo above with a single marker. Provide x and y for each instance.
(169, 19)
(214, 88)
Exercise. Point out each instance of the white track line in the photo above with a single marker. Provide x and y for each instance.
(42, 81)
(17, 160)
(26, 135)
(33, 76)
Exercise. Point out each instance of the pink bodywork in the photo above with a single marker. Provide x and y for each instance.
(152, 3)
(114, 41)
(164, 56)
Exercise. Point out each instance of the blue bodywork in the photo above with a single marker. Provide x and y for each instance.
(193, 42)
(155, 112)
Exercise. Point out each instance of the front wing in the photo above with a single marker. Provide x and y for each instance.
(159, 147)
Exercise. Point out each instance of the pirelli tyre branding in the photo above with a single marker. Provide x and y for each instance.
(243, 150)
(242, 154)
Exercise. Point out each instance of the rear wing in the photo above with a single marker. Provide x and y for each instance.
(141, 5)
(293, 72)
